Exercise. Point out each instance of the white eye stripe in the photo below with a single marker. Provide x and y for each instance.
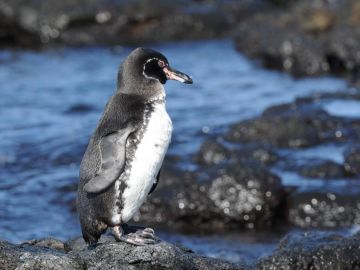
(148, 61)
(151, 59)
(149, 77)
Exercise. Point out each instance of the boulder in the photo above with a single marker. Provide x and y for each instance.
(314, 251)
(330, 206)
(352, 160)
(294, 125)
(227, 197)
(247, 194)
(212, 152)
(323, 169)
(304, 38)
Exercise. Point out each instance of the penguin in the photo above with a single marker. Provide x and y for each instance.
(121, 164)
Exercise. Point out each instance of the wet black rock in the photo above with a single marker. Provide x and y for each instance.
(294, 125)
(80, 22)
(314, 251)
(30, 256)
(212, 152)
(352, 160)
(180, 203)
(305, 38)
(277, 130)
(323, 169)
(285, 49)
(246, 193)
(53, 254)
(330, 206)
(263, 155)
(13, 32)
(225, 197)
(46, 243)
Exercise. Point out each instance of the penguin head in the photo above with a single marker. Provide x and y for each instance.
(146, 67)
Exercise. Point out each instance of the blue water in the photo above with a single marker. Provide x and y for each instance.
(50, 102)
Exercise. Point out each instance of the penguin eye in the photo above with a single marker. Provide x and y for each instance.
(153, 70)
(162, 64)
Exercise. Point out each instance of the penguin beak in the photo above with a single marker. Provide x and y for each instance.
(172, 74)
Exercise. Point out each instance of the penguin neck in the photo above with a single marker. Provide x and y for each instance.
(150, 92)
(158, 98)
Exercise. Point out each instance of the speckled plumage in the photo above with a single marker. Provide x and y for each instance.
(147, 149)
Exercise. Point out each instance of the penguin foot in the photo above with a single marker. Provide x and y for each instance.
(140, 239)
(147, 233)
(135, 236)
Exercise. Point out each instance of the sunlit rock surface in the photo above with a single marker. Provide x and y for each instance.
(330, 207)
(249, 194)
(221, 198)
(212, 152)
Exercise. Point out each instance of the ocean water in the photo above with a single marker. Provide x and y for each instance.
(50, 102)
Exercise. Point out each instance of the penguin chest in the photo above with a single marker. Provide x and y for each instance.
(147, 159)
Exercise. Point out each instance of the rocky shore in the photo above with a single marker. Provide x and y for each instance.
(305, 38)
(38, 24)
(315, 251)
(256, 174)
(73, 255)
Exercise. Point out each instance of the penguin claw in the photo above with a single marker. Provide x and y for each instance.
(149, 230)
(139, 239)
(136, 236)
(147, 233)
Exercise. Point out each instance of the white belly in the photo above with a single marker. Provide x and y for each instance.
(147, 161)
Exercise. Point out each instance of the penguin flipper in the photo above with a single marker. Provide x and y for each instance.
(112, 153)
(155, 183)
